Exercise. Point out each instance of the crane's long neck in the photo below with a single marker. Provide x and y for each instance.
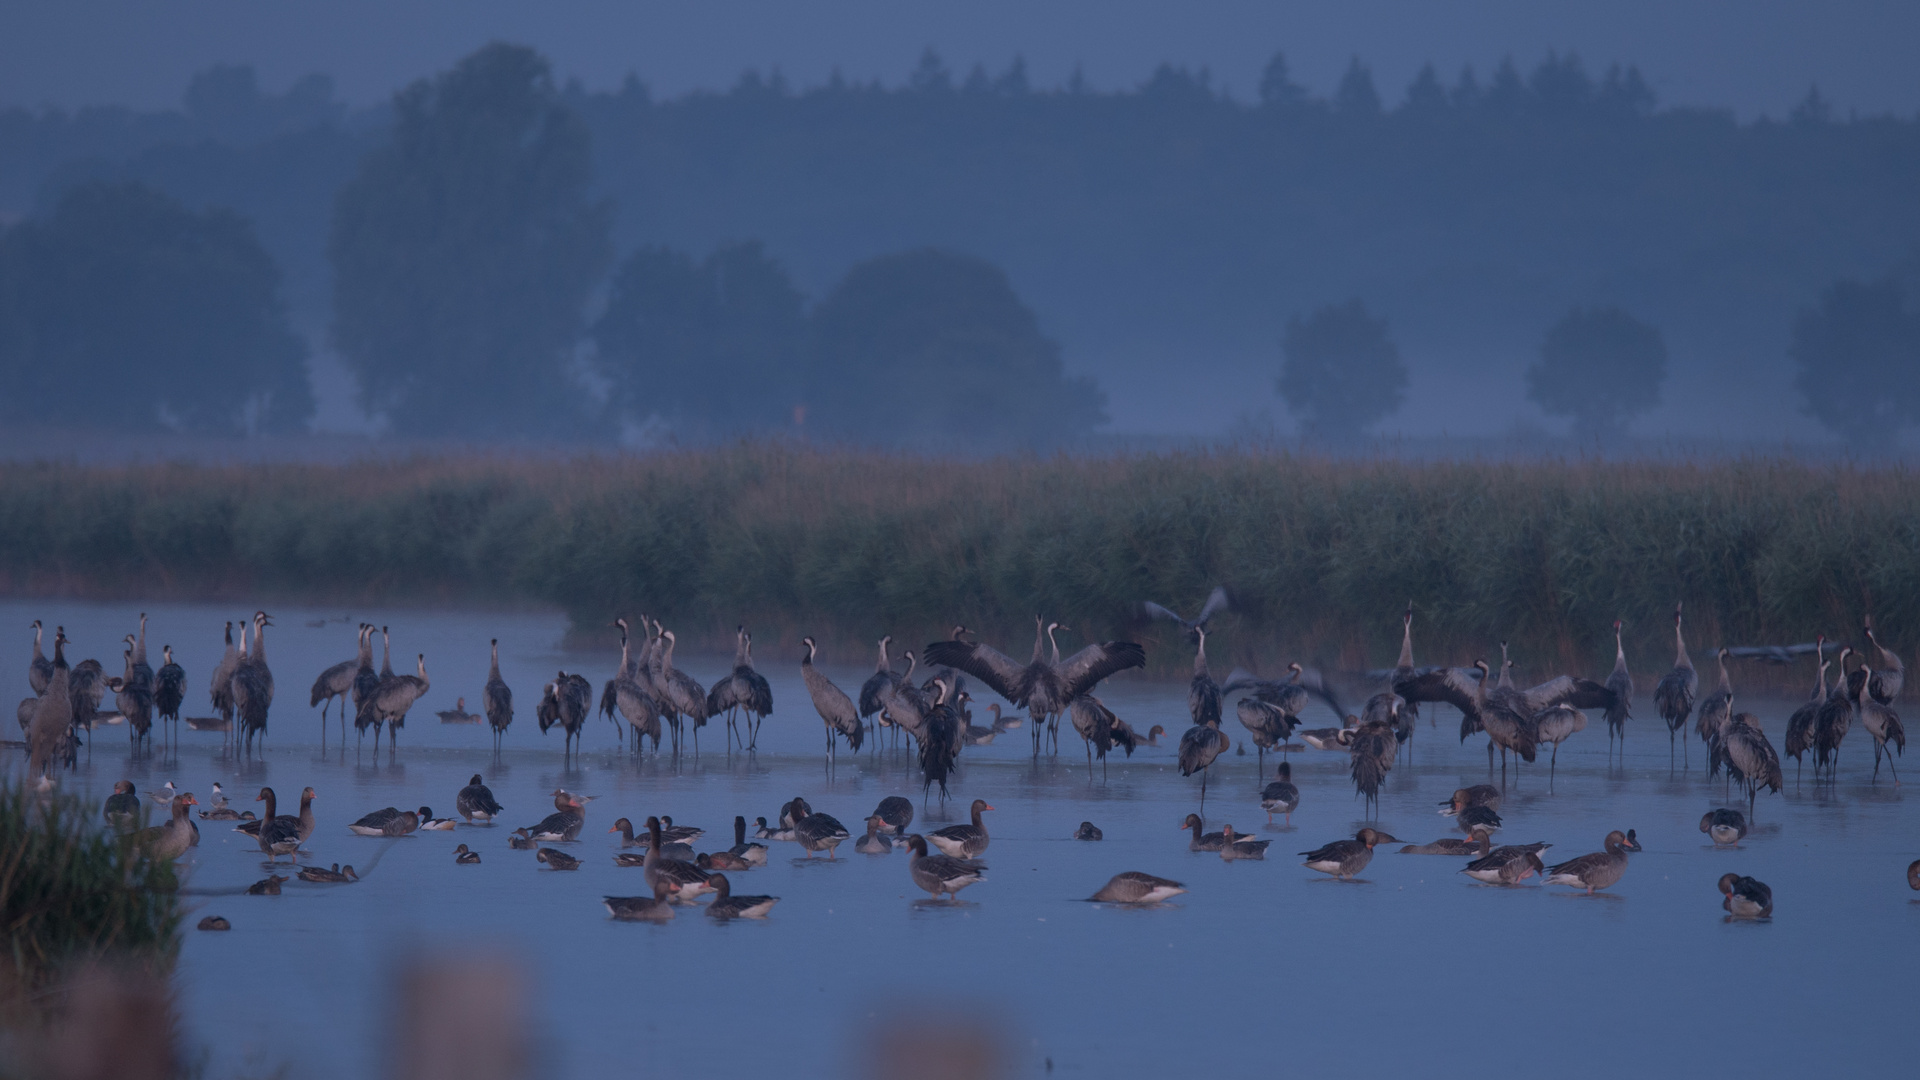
(37, 654)
(386, 652)
(1619, 652)
(1820, 689)
(1680, 659)
(1055, 642)
(366, 646)
(1406, 643)
(1726, 684)
(140, 646)
(127, 676)
(246, 649)
(884, 663)
(424, 681)
(1199, 658)
(493, 668)
(1039, 640)
(259, 641)
(666, 654)
(912, 662)
(740, 648)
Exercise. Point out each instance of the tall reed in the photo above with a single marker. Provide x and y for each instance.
(1320, 555)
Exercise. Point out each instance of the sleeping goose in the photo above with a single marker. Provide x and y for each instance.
(1746, 898)
(1134, 887)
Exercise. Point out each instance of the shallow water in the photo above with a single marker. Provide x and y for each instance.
(1414, 969)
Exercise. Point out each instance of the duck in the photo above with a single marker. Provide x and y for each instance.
(1135, 887)
(754, 854)
(963, 841)
(1913, 875)
(215, 922)
(521, 841)
(721, 860)
(464, 857)
(1478, 795)
(268, 886)
(1241, 847)
(458, 714)
(763, 832)
(171, 840)
(1725, 825)
(725, 905)
(655, 908)
(338, 875)
(565, 823)
(939, 874)
(1745, 897)
(895, 814)
(435, 824)
(1477, 819)
(875, 842)
(557, 859)
(1490, 867)
(684, 880)
(1089, 831)
(476, 801)
(279, 834)
(226, 813)
(1280, 797)
(817, 832)
(1448, 845)
(123, 806)
(1598, 870)
(1345, 858)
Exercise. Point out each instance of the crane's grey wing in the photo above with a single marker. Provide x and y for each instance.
(1216, 603)
(1083, 670)
(1448, 685)
(1242, 679)
(983, 662)
(1317, 686)
(1155, 611)
(1570, 690)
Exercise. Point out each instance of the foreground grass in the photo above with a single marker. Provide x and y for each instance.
(1320, 555)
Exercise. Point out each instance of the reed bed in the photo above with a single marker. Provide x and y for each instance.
(1320, 555)
(73, 894)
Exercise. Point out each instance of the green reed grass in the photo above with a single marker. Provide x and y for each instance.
(1320, 555)
(71, 892)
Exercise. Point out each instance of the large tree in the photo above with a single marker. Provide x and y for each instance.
(1857, 355)
(1341, 373)
(464, 252)
(124, 308)
(712, 347)
(932, 348)
(1598, 367)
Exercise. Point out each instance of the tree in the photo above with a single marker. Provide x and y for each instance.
(1356, 96)
(713, 346)
(1277, 88)
(1342, 373)
(464, 252)
(932, 348)
(1857, 352)
(125, 308)
(1599, 367)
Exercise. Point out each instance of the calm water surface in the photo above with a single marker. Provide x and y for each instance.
(1414, 971)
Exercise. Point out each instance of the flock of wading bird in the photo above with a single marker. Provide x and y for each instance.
(648, 691)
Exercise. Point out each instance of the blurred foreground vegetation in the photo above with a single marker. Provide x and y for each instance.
(1320, 555)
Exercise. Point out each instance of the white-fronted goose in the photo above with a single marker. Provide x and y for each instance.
(963, 841)
(1281, 797)
(1241, 847)
(1448, 845)
(464, 857)
(1493, 865)
(875, 842)
(940, 874)
(375, 824)
(1598, 870)
(1478, 795)
(1746, 898)
(1477, 819)
(563, 825)
(557, 859)
(655, 908)
(684, 880)
(170, 841)
(754, 854)
(1725, 825)
(123, 806)
(725, 905)
(279, 833)
(819, 832)
(476, 801)
(625, 828)
(1345, 858)
(1088, 831)
(1134, 887)
(895, 814)
(1201, 841)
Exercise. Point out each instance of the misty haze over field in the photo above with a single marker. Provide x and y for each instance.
(1180, 199)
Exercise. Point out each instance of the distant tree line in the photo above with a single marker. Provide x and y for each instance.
(459, 245)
